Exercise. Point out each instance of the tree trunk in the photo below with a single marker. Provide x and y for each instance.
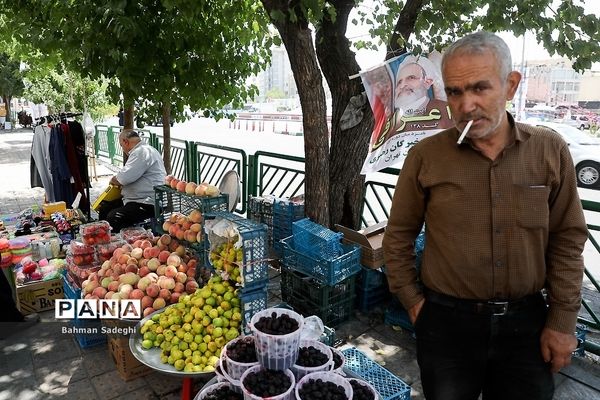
(166, 121)
(7, 100)
(348, 147)
(298, 41)
(128, 116)
(128, 110)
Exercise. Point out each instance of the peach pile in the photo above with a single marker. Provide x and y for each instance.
(157, 274)
(184, 227)
(192, 188)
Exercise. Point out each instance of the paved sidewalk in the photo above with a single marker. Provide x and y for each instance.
(44, 363)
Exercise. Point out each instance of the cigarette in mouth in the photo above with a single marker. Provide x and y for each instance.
(464, 132)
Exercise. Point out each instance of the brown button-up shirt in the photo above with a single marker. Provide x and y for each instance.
(499, 229)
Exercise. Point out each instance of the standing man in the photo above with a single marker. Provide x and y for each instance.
(503, 222)
(143, 170)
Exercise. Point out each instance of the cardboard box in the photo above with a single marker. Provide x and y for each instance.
(370, 240)
(128, 366)
(39, 296)
(51, 208)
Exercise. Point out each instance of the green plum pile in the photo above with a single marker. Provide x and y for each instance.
(192, 332)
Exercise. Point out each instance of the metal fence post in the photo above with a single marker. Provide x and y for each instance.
(96, 141)
(191, 161)
(110, 140)
(252, 174)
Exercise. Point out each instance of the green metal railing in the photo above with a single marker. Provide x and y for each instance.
(265, 173)
(276, 174)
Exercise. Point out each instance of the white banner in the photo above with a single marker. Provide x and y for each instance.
(408, 102)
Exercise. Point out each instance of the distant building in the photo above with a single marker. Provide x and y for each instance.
(553, 82)
(278, 75)
(589, 91)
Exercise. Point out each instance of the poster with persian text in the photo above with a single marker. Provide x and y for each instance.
(408, 102)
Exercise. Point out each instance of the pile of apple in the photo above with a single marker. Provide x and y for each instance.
(157, 274)
(192, 188)
(184, 227)
(191, 333)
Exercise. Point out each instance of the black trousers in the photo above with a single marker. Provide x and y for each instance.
(464, 351)
(121, 216)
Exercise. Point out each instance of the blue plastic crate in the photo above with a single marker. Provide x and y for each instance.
(252, 302)
(397, 316)
(388, 385)
(260, 209)
(95, 337)
(168, 201)
(315, 240)
(371, 279)
(580, 334)
(285, 213)
(328, 272)
(369, 299)
(255, 263)
(70, 292)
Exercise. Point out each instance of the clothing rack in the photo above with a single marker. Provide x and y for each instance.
(60, 117)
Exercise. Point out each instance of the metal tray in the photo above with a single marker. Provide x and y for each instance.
(151, 357)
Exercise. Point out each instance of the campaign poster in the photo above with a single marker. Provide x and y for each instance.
(408, 102)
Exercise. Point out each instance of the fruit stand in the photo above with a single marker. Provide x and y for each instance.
(201, 280)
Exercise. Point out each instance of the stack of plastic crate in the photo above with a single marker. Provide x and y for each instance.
(285, 213)
(318, 273)
(260, 209)
(88, 332)
(371, 289)
(253, 269)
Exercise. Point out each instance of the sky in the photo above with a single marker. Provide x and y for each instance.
(533, 50)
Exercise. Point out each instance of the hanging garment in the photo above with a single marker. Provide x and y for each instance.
(71, 139)
(41, 157)
(36, 179)
(61, 176)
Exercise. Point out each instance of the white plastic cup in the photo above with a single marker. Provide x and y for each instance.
(300, 371)
(287, 395)
(326, 377)
(219, 374)
(367, 385)
(340, 369)
(236, 368)
(278, 352)
(209, 389)
(235, 383)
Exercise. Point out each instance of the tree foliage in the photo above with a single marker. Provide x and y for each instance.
(165, 54)
(413, 25)
(11, 81)
(67, 91)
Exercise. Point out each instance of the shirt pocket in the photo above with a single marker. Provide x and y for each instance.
(532, 206)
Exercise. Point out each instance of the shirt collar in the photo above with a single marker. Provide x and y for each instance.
(519, 134)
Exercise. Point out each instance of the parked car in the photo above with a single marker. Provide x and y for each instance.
(578, 121)
(585, 151)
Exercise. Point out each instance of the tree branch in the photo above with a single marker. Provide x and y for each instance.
(405, 26)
